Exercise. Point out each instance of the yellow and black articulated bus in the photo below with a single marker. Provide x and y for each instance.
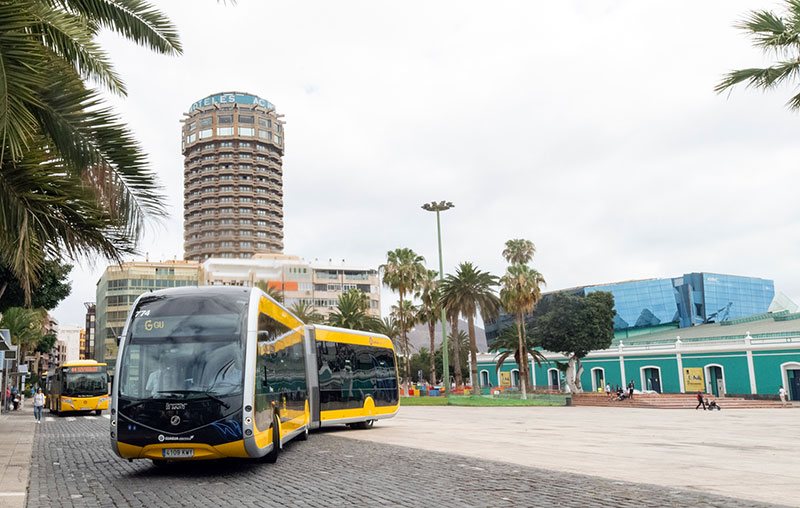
(213, 372)
(79, 386)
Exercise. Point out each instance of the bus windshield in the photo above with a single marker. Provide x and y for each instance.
(185, 346)
(85, 384)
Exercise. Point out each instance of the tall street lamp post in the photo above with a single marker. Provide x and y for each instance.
(441, 206)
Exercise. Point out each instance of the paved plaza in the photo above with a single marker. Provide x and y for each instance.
(744, 453)
(72, 465)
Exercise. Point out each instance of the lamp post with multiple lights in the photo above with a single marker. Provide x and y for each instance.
(441, 206)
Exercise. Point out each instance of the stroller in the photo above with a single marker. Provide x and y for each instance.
(713, 405)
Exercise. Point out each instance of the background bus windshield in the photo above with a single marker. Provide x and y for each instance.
(90, 384)
(185, 347)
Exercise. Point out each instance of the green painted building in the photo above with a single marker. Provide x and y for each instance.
(752, 355)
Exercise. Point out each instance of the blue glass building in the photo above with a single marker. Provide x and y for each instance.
(645, 306)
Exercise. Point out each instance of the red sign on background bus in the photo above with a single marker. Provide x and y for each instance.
(90, 368)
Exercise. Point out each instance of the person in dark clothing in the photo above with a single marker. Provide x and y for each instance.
(700, 401)
(630, 390)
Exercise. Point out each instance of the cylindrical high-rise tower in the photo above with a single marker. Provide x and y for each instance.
(233, 177)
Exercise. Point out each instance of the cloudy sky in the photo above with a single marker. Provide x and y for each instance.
(588, 127)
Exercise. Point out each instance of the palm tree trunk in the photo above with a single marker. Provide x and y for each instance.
(473, 352)
(456, 355)
(407, 362)
(432, 332)
(522, 358)
(525, 357)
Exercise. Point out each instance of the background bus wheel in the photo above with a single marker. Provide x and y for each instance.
(304, 435)
(272, 456)
(98, 412)
(159, 462)
(363, 425)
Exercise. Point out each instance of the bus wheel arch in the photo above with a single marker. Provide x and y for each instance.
(272, 456)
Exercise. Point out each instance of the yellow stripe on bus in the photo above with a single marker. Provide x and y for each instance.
(269, 308)
(353, 338)
(201, 451)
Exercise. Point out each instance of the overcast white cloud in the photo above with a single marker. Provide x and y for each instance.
(589, 127)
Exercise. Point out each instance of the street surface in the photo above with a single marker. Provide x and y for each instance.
(743, 453)
(72, 465)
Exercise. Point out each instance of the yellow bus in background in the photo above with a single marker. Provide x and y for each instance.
(79, 386)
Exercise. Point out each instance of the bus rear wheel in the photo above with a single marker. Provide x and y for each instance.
(362, 425)
(272, 456)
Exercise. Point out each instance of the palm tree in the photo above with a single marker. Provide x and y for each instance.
(468, 292)
(73, 180)
(306, 313)
(519, 251)
(273, 292)
(773, 34)
(462, 341)
(388, 326)
(351, 311)
(25, 327)
(520, 292)
(507, 344)
(402, 272)
(430, 311)
(406, 317)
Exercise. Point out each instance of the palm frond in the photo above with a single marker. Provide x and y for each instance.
(135, 20)
(68, 37)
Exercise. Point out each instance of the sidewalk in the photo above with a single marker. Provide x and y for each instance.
(16, 443)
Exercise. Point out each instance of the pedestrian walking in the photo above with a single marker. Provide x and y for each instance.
(15, 398)
(700, 401)
(8, 398)
(608, 391)
(782, 393)
(38, 404)
(630, 389)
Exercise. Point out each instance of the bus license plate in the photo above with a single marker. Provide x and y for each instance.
(178, 453)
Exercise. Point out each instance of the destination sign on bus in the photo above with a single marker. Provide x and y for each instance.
(83, 368)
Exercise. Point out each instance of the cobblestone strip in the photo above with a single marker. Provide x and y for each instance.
(74, 467)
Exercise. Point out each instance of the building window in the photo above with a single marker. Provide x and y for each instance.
(245, 233)
(224, 131)
(245, 244)
(206, 122)
(245, 210)
(191, 126)
(264, 134)
(261, 245)
(226, 199)
(191, 138)
(224, 119)
(226, 177)
(246, 131)
(205, 133)
(245, 200)
(264, 122)
(277, 139)
(245, 221)
(226, 144)
(245, 118)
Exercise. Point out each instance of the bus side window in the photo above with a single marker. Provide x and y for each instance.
(264, 382)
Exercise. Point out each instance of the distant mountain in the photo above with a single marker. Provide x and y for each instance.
(419, 337)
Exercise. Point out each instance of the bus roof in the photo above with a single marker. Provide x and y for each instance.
(77, 363)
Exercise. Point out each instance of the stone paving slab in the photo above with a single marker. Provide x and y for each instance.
(74, 467)
(17, 429)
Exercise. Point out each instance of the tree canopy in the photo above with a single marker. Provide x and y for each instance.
(51, 288)
(575, 325)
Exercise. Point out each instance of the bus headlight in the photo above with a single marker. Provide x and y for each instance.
(103, 399)
(66, 401)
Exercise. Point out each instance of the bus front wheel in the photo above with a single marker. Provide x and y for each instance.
(98, 412)
(272, 456)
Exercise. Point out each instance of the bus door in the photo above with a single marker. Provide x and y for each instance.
(312, 374)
